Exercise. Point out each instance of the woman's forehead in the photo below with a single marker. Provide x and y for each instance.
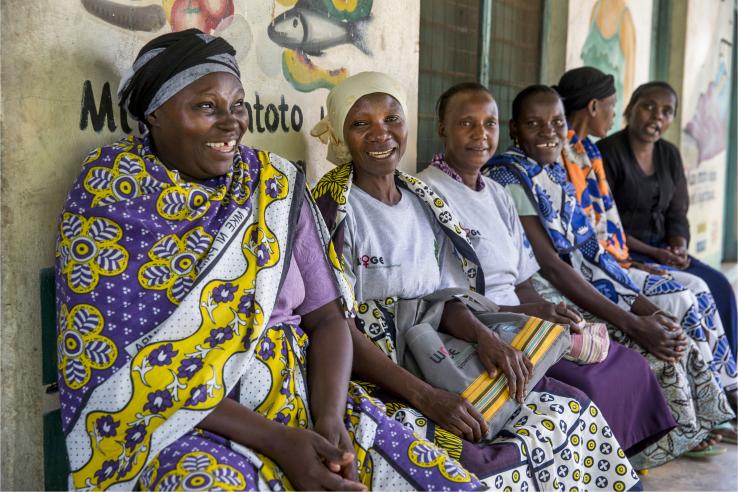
(375, 100)
(541, 101)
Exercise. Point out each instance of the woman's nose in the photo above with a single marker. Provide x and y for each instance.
(378, 133)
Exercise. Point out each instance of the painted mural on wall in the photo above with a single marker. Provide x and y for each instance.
(614, 36)
(705, 109)
(290, 51)
(309, 28)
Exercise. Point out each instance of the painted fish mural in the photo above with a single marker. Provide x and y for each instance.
(312, 26)
(310, 31)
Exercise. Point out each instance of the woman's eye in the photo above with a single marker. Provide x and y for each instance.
(466, 123)
(392, 117)
(491, 124)
(358, 123)
(206, 105)
(533, 124)
(559, 123)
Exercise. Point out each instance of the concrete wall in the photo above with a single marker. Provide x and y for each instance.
(61, 62)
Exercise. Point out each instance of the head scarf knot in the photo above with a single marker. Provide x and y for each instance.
(168, 64)
(341, 99)
(579, 86)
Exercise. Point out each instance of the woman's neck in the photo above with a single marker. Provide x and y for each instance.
(383, 188)
(469, 174)
(578, 122)
(638, 146)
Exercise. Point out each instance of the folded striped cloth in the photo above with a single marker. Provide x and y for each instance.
(591, 345)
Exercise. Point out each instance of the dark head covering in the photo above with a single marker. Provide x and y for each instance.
(580, 85)
(168, 64)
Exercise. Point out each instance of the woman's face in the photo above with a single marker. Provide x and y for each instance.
(604, 116)
(541, 127)
(197, 131)
(375, 132)
(470, 129)
(652, 114)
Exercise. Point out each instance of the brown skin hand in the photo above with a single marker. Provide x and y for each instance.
(312, 460)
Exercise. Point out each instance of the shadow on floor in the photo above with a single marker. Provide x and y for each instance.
(708, 474)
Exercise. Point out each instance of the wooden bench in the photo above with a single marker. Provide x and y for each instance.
(56, 464)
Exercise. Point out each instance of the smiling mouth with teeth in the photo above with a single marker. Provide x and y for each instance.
(549, 145)
(224, 147)
(381, 155)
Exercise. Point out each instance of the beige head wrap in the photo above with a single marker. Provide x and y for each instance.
(341, 99)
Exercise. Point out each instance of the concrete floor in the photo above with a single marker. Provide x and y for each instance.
(708, 474)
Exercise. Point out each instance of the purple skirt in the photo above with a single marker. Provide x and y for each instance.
(626, 390)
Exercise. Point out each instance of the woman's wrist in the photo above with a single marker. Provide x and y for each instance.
(418, 393)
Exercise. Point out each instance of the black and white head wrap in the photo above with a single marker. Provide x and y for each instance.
(580, 85)
(168, 64)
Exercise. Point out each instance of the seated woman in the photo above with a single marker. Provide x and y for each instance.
(622, 385)
(399, 240)
(646, 175)
(575, 263)
(202, 331)
(588, 95)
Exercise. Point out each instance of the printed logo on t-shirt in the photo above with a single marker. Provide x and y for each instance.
(370, 261)
(472, 233)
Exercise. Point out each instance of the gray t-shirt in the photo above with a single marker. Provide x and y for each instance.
(522, 203)
(495, 231)
(396, 250)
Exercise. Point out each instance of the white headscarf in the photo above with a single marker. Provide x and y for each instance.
(340, 101)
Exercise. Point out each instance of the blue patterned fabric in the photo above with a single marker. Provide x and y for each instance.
(566, 224)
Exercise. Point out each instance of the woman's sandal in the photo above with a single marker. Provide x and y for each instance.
(727, 433)
(710, 450)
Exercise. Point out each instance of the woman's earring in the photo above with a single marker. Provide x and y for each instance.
(515, 142)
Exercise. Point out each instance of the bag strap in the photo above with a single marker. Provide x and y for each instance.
(473, 300)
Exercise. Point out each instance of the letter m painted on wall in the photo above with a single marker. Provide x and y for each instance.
(98, 114)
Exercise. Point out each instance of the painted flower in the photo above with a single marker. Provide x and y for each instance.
(219, 335)
(189, 367)
(106, 426)
(88, 249)
(266, 349)
(224, 292)
(263, 254)
(80, 345)
(107, 470)
(247, 337)
(186, 201)
(282, 418)
(162, 355)
(174, 263)
(198, 395)
(201, 471)
(135, 435)
(273, 188)
(126, 180)
(159, 400)
(246, 304)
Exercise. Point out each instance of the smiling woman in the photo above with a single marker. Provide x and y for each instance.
(373, 211)
(655, 316)
(193, 273)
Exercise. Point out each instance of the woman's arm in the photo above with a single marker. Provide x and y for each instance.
(494, 354)
(654, 332)
(533, 304)
(662, 255)
(306, 457)
(329, 369)
(449, 410)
